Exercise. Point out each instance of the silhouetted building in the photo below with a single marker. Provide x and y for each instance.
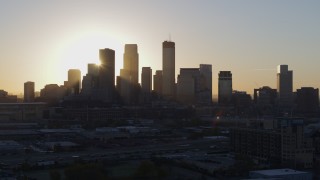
(168, 69)
(74, 81)
(107, 74)
(205, 94)
(241, 100)
(146, 84)
(90, 80)
(52, 94)
(265, 99)
(188, 85)
(125, 88)
(93, 69)
(131, 63)
(284, 86)
(265, 96)
(285, 145)
(5, 98)
(146, 79)
(225, 87)
(157, 82)
(307, 100)
(29, 92)
(129, 74)
(22, 111)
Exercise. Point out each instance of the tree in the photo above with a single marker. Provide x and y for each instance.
(85, 171)
(55, 175)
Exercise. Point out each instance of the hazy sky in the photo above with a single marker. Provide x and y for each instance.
(41, 39)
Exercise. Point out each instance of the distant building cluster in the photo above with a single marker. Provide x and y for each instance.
(192, 87)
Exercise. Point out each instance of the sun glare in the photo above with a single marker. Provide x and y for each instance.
(83, 49)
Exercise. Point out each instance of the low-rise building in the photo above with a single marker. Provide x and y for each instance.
(283, 174)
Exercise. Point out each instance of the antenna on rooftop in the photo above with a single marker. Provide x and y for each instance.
(169, 37)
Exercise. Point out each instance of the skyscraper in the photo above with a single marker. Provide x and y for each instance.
(168, 69)
(146, 80)
(129, 74)
(205, 94)
(90, 80)
(131, 62)
(107, 74)
(225, 87)
(188, 85)
(284, 86)
(146, 84)
(74, 81)
(157, 82)
(29, 91)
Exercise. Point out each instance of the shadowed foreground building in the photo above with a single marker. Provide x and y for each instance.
(22, 112)
(285, 144)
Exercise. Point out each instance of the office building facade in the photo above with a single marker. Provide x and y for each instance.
(157, 82)
(284, 86)
(74, 81)
(107, 74)
(225, 87)
(168, 69)
(29, 94)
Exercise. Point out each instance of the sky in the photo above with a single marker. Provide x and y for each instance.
(41, 39)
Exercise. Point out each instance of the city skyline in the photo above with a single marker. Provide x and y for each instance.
(43, 45)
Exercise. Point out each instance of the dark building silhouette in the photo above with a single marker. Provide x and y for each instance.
(307, 99)
(194, 85)
(52, 94)
(29, 92)
(205, 93)
(241, 100)
(188, 85)
(265, 96)
(5, 98)
(90, 81)
(146, 84)
(225, 87)
(128, 81)
(74, 81)
(168, 70)
(146, 80)
(284, 86)
(265, 99)
(285, 144)
(107, 74)
(157, 82)
(131, 63)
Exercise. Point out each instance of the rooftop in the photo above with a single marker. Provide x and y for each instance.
(278, 172)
